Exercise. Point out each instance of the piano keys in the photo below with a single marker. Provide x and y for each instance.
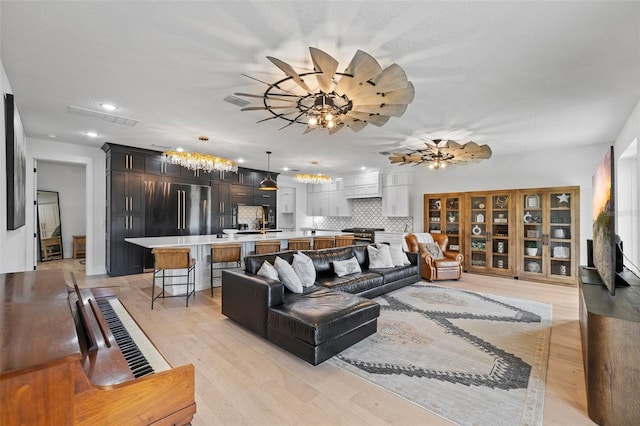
(62, 362)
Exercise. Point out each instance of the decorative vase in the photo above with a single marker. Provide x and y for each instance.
(532, 251)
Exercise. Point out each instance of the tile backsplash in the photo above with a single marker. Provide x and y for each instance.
(366, 213)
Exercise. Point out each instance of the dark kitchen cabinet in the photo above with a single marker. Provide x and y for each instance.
(124, 159)
(157, 164)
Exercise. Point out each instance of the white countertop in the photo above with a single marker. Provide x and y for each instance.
(197, 240)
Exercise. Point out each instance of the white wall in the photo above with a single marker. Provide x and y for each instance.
(628, 186)
(560, 167)
(302, 220)
(68, 180)
(93, 161)
(13, 244)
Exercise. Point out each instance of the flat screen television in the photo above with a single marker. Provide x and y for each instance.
(604, 226)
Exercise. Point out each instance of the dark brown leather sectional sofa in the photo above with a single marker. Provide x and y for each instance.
(326, 318)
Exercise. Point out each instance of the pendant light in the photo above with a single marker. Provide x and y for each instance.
(268, 184)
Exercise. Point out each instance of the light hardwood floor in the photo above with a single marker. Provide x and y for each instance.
(244, 379)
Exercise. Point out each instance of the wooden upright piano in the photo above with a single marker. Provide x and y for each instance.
(75, 357)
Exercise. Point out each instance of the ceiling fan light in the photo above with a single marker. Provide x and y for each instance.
(313, 121)
(329, 117)
(331, 124)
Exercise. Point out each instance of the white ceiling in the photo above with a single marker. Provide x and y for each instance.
(515, 75)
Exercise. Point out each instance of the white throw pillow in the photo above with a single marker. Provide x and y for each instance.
(398, 256)
(346, 267)
(303, 266)
(379, 257)
(267, 270)
(287, 275)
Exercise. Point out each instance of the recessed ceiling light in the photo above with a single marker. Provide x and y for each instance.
(51, 135)
(108, 107)
(363, 168)
(285, 168)
(180, 149)
(92, 134)
(240, 160)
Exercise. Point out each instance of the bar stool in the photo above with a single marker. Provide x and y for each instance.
(224, 253)
(265, 247)
(170, 259)
(299, 244)
(323, 242)
(344, 240)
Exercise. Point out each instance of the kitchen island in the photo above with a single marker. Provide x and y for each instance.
(200, 246)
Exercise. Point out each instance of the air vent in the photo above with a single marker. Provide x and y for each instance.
(384, 153)
(236, 101)
(165, 147)
(110, 118)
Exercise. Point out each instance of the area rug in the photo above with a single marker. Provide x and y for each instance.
(472, 358)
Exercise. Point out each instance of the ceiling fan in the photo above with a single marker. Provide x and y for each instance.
(440, 153)
(326, 99)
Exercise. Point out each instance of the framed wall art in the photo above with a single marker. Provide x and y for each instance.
(16, 165)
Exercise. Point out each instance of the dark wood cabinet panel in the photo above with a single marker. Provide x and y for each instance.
(127, 160)
(157, 164)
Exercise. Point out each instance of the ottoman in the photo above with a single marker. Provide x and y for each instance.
(321, 322)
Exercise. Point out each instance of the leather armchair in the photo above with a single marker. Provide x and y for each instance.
(448, 268)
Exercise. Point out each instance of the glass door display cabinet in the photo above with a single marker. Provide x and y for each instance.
(443, 215)
(489, 248)
(549, 230)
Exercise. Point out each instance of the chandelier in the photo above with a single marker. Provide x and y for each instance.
(326, 99)
(314, 178)
(197, 161)
(438, 154)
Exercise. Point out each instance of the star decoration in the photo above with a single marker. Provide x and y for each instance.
(563, 198)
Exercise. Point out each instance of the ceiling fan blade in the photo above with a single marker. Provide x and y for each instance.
(290, 72)
(336, 128)
(308, 129)
(362, 67)
(275, 95)
(356, 126)
(391, 78)
(326, 65)
(265, 108)
(276, 116)
(353, 123)
(271, 85)
(402, 96)
(375, 119)
(382, 109)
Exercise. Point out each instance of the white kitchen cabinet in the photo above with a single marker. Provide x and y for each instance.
(287, 200)
(366, 185)
(318, 204)
(396, 201)
(338, 204)
(397, 193)
(397, 179)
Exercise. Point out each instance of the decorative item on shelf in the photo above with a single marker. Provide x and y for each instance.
(364, 93)
(502, 201)
(436, 205)
(501, 231)
(531, 248)
(532, 201)
(476, 230)
(452, 204)
(435, 218)
(479, 217)
(500, 219)
(527, 217)
(533, 267)
(500, 263)
(451, 217)
(197, 161)
(454, 247)
(438, 154)
(481, 206)
(267, 183)
(500, 247)
(561, 252)
(532, 233)
(315, 178)
(563, 270)
(559, 233)
(563, 198)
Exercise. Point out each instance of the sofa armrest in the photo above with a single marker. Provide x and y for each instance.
(246, 298)
(415, 258)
